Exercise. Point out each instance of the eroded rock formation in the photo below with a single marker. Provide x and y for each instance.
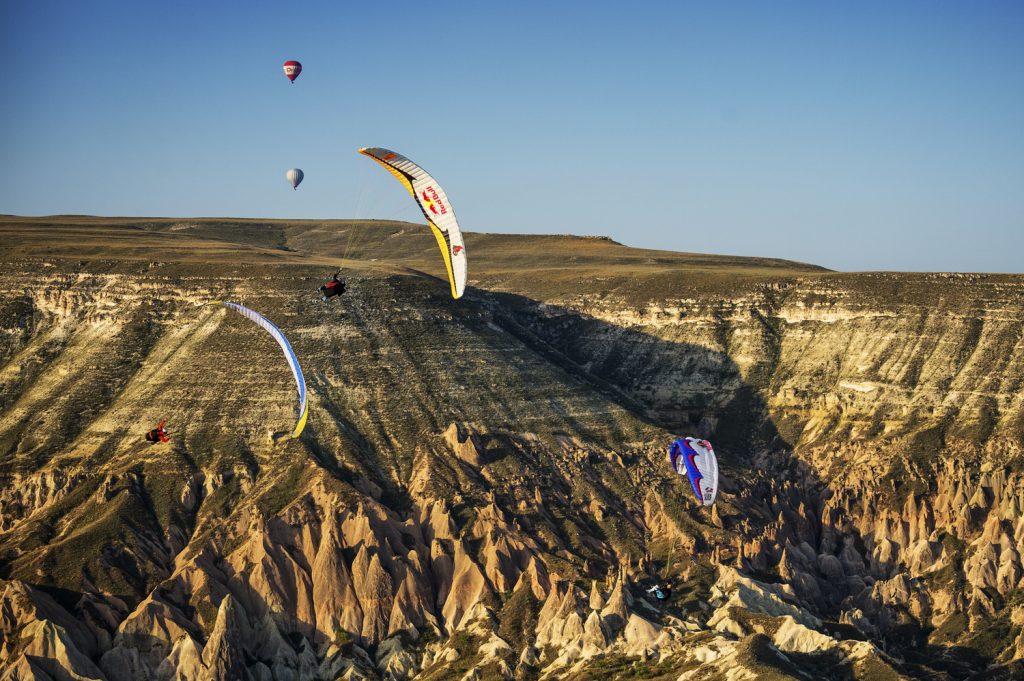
(501, 511)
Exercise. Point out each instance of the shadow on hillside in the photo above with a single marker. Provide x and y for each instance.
(622, 363)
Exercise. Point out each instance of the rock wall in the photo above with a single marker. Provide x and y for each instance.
(504, 510)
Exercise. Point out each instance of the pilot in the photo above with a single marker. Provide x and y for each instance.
(335, 287)
(158, 434)
(662, 591)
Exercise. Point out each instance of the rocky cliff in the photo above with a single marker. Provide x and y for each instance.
(481, 490)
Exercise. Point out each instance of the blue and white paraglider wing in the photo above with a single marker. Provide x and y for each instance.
(289, 355)
(696, 460)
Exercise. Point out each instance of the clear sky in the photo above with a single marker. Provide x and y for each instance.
(854, 135)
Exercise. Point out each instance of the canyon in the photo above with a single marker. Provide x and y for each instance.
(482, 490)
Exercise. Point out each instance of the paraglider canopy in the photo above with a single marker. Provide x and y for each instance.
(696, 460)
(292, 69)
(294, 177)
(289, 355)
(436, 208)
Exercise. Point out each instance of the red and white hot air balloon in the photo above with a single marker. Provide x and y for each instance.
(292, 69)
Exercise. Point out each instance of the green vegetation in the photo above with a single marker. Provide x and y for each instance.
(951, 628)
(98, 540)
(285, 489)
(993, 637)
(467, 647)
(872, 669)
(164, 483)
(518, 617)
(622, 535)
(206, 610)
(843, 632)
(756, 621)
(691, 595)
(951, 575)
(759, 655)
(604, 668)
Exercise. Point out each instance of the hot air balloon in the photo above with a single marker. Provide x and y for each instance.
(294, 177)
(292, 69)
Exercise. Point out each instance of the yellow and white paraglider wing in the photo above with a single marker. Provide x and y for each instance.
(436, 209)
(289, 355)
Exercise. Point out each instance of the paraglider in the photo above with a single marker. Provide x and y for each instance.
(158, 434)
(335, 287)
(292, 69)
(289, 355)
(436, 208)
(696, 460)
(661, 591)
(294, 177)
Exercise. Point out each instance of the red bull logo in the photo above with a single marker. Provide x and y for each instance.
(429, 203)
(432, 201)
(457, 249)
(390, 155)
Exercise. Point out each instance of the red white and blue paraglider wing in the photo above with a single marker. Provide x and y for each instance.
(696, 460)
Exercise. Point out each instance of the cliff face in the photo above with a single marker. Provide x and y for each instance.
(481, 489)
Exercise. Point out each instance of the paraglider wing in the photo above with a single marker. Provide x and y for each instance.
(436, 209)
(292, 69)
(289, 354)
(696, 460)
(294, 177)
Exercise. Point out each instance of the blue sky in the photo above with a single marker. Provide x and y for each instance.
(858, 136)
